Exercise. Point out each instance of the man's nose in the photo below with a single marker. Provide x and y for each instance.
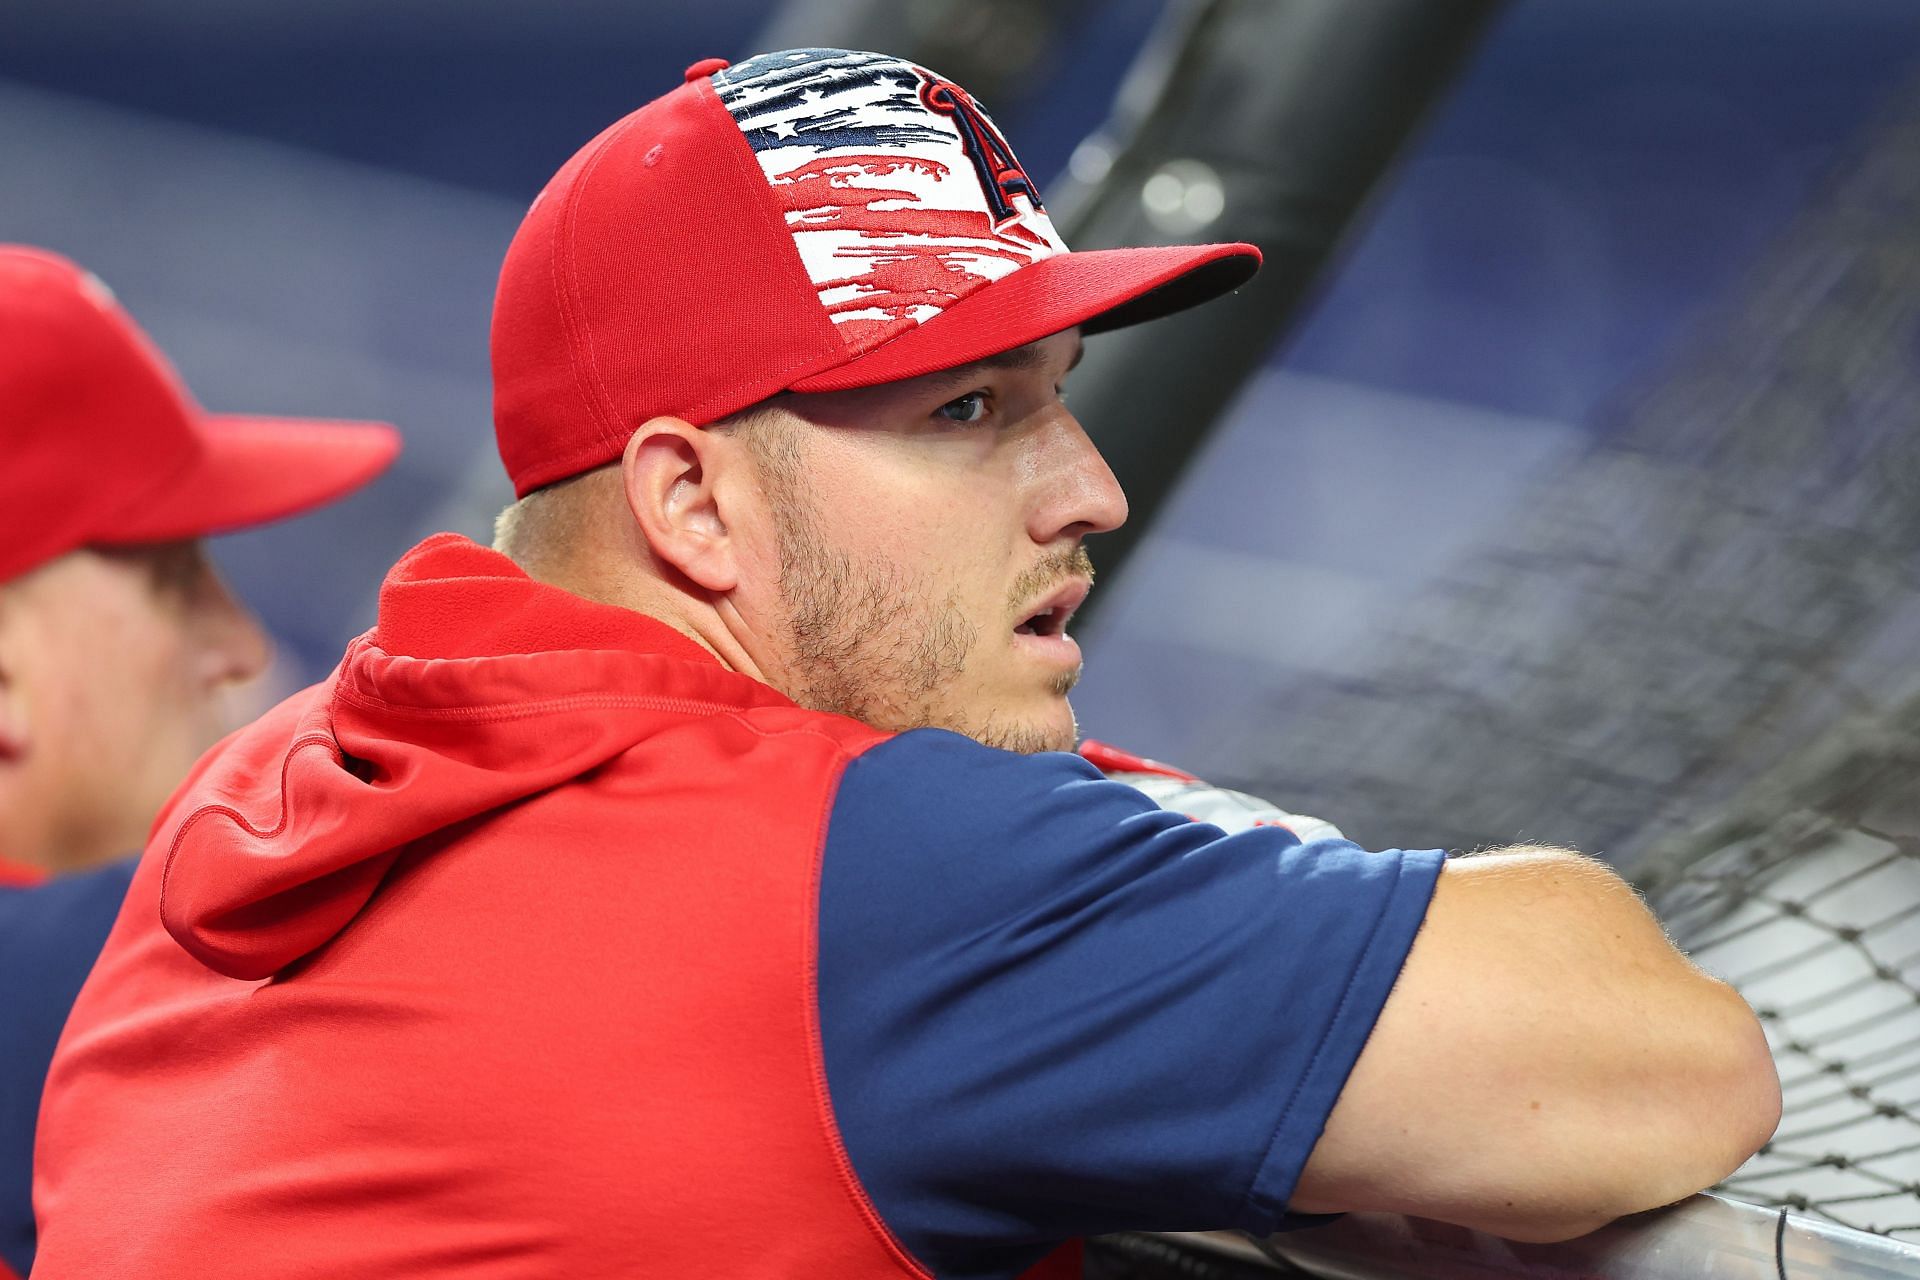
(1082, 494)
(234, 647)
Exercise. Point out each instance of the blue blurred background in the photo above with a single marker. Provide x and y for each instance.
(306, 204)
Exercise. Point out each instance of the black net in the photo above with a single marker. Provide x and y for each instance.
(1696, 649)
(1811, 907)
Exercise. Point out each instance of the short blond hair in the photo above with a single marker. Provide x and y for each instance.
(541, 530)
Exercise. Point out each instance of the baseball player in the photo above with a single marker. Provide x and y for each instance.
(700, 881)
(116, 636)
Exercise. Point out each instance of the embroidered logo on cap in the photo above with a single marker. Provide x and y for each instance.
(901, 194)
(1001, 176)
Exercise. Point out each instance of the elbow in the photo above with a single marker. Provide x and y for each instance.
(1743, 1085)
(1722, 1101)
(1709, 1102)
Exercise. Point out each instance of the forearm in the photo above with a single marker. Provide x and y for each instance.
(1663, 1076)
(1547, 1062)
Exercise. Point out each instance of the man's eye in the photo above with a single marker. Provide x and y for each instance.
(971, 407)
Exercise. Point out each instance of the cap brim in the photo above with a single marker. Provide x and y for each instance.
(258, 469)
(1100, 289)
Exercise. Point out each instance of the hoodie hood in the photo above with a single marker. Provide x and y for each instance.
(477, 688)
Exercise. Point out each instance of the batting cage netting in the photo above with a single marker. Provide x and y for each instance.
(1809, 903)
(1695, 649)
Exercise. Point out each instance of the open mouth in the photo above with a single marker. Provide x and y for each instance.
(1051, 616)
(1047, 622)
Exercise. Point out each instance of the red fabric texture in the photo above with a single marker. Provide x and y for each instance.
(493, 956)
(654, 275)
(104, 445)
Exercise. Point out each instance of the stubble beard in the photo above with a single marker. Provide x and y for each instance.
(870, 641)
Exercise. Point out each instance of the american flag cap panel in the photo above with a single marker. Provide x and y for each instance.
(901, 194)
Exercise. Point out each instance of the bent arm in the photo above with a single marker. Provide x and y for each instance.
(1547, 1062)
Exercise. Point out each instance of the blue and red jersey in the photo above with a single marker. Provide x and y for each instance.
(536, 942)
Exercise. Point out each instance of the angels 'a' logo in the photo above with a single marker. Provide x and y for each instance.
(1000, 174)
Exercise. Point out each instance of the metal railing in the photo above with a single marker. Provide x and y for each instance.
(1703, 1236)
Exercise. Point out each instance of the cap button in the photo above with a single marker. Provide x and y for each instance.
(706, 67)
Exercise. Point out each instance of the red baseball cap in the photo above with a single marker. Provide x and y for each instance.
(103, 445)
(810, 220)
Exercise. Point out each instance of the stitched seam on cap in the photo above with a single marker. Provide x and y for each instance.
(830, 359)
(587, 378)
(564, 298)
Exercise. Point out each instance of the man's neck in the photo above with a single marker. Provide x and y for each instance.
(37, 861)
(711, 624)
(30, 840)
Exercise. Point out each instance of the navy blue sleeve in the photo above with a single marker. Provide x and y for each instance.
(50, 935)
(1051, 1009)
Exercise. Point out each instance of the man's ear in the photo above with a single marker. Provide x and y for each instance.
(13, 700)
(670, 472)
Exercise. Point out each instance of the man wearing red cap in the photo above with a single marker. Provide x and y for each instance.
(117, 639)
(705, 885)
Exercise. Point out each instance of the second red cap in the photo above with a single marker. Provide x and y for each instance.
(103, 445)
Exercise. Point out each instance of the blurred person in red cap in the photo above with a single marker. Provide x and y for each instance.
(701, 882)
(117, 638)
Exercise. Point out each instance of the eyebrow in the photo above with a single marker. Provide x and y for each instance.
(1020, 359)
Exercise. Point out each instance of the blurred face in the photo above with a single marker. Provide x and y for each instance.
(113, 665)
(926, 549)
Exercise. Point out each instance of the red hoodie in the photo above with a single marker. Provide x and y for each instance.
(476, 960)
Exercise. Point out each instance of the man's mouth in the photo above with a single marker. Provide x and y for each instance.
(1050, 616)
